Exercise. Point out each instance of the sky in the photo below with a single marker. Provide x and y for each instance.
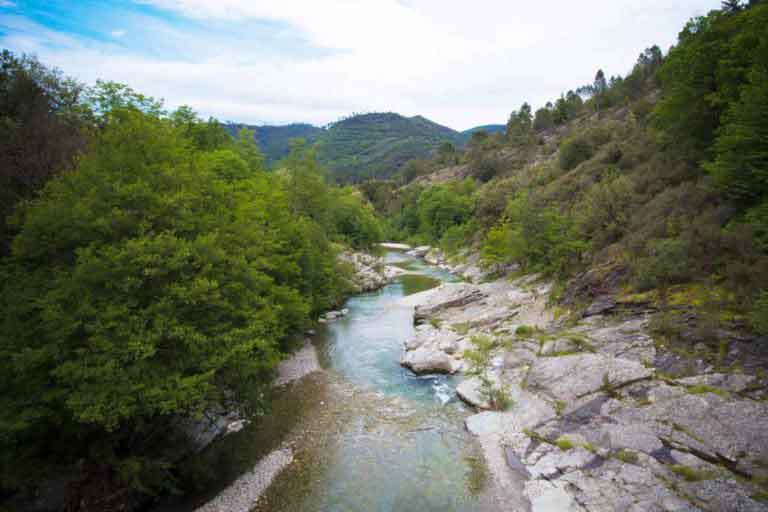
(459, 63)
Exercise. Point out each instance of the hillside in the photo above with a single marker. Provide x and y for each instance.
(377, 145)
(274, 140)
(365, 145)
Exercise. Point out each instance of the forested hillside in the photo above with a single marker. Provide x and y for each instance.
(364, 145)
(650, 186)
(274, 141)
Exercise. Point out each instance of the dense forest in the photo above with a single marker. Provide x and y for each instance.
(152, 264)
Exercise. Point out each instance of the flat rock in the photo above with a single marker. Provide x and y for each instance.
(732, 382)
(395, 246)
(447, 296)
(572, 376)
(485, 423)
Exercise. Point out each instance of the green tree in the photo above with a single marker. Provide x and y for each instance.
(142, 284)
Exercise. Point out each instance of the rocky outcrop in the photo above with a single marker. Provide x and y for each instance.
(369, 272)
(596, 424)
(432, 350)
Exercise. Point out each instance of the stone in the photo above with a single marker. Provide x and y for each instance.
(633, 436)
(570, 377)
(470, 390)
(419, 251)
(485, 423)
(447, 296)
(395, 246)
(732, 382)
(426, 360)
(560, 346)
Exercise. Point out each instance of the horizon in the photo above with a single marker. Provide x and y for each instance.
(287, 63)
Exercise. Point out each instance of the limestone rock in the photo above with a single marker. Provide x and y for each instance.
(569, 377)
(426, 360)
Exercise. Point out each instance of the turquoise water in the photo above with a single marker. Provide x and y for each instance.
(365, 346)
(380, 438)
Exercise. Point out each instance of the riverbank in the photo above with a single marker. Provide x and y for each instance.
(606, 416)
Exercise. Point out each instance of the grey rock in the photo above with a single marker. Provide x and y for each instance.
(485, 423)
(569, 377)
(426, 360)
(732, 382)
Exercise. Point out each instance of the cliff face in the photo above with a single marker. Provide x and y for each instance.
(605, 415)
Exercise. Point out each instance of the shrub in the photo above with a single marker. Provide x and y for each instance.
(574, 151)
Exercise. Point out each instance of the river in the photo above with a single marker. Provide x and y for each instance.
(367, 434)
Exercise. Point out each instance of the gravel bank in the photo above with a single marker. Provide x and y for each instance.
(244, 492)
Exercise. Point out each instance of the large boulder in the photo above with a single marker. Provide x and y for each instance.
(429, 360)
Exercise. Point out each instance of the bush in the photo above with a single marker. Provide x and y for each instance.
(574, 151)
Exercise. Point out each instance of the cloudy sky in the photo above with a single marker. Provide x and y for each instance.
(460, 63)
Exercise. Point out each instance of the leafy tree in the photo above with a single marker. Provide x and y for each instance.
(740, 164)
(145, 283)
(441, 207)
(544, 118)
(520, 125)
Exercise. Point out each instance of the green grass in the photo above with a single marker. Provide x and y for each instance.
(626, 456)
(689, 474)
(564, 443)
(700, 389)
(461, 328)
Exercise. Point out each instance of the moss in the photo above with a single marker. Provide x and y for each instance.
(435, 322)
(701, 389)
(461, 328)
(524, 331)
(559, 407)
(689, 474)
(626, 456)
(564, 444)
(589, 447)
(761, 496)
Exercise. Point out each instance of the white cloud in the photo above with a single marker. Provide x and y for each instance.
(7, 3)
(456, 63)
(118, 33)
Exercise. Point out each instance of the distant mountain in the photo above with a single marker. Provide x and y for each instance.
(363, 145)
(490, 128)
(377, 145)
(273, 140)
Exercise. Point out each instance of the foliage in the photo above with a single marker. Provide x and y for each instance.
(481, 367)
(536, 236)
(574, 151)
(166, 271)
(42, 128)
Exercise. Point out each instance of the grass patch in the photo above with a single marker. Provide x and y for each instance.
(461, 328)
(689, 474)
(700, 389)
(560, 407)
(524, 331)
(435, 322)
(626, 456)
(564, 444)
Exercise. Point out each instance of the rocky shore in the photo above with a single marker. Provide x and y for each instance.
(601, 420)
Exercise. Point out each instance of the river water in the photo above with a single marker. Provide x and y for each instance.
(367, 434)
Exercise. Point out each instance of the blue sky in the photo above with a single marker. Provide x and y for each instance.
(459, 63)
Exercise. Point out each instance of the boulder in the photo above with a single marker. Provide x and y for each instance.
(428, 360)
(419, 252)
